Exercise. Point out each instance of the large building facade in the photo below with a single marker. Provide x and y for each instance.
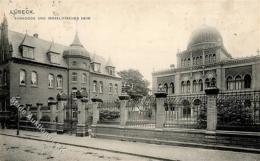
(207, 63)
(36, 70)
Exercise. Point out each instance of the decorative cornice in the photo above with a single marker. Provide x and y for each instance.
(221, 63)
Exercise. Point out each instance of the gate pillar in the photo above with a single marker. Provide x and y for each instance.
(62, 101)
(53, 107)
(82, 105)
(212, 93)
(96, 102)
(123, 110)
(160, 109)
(39, 114)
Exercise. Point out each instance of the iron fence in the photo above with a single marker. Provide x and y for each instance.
(109, 112)
(186, 111)
(141, 112)
(239, 111)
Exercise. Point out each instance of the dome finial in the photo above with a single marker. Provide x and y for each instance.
(76, 41)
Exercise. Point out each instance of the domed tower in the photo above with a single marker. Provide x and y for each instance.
(205, 47)
(205, 37)
(78, 61)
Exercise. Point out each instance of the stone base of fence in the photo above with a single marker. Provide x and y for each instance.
(60, 128)
(80, 131)
(186, 137)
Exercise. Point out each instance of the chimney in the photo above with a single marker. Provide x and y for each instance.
(35, 35)
(172, 66)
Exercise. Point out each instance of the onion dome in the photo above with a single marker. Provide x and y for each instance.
(206, 35)
(76, 49)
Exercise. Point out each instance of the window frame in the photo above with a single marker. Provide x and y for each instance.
(20, 80)
(51, 82)
(36, 77)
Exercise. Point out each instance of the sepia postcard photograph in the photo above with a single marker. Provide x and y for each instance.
(129, 80)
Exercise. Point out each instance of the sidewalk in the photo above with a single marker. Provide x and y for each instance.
(162, 152)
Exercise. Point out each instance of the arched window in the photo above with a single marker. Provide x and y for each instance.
(214, 58)
(206, 59)
(229, 83)
(194, 61)
(116, 88)
(59, 81)
(194, 86)
(101, 89)
(94, 86)
(238, 82)
(247, 81)
(210, 58)
(207, 83)
(165, 87)
(188, 86)
(197, 61)
(110, 87)
(84, 78)
(34, 78)
(74, 77)
(186, 111)
(213, 82)
(22, 77)
(188, 62)
(172, 88)
(50, 80)
(200, 85)
(185, 62)
(201, 60)
(182, 87)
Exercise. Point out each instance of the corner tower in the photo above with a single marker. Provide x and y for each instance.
(78, 61)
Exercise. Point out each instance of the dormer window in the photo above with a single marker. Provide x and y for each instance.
(27, 52)
(96, 67)
(54, 58)
(111, 70)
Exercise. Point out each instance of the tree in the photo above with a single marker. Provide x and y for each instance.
(135, 81)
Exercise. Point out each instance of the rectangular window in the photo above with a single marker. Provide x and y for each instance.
(28, 52)
(54, 58)
(96, 67)
(22, 77)
(51, 80)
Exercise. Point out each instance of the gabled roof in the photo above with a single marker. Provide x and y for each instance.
(43, 47)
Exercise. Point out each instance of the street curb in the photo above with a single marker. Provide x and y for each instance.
(91, 147)
(183, 144)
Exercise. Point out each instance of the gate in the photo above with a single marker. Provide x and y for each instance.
(141, 112)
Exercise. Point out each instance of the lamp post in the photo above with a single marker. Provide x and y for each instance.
(18, 116)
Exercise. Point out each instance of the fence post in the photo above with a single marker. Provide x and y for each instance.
(96, 102)
(211, 93)
(62, 99)
(160, 110)
(53, 106)
(39, 114)
(123, 109)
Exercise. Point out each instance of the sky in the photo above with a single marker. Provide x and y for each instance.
(140, 34)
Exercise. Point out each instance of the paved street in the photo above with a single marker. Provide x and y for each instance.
(18, 149)
(33, 146)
